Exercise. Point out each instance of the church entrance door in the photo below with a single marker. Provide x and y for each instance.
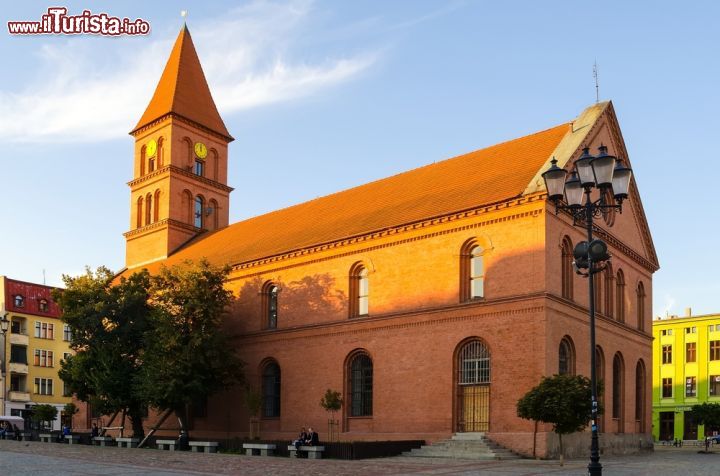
(473, 387)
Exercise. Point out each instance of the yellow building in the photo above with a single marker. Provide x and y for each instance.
(686, 360)
(33, 346)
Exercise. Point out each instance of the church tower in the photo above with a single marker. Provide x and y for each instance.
(179, 186)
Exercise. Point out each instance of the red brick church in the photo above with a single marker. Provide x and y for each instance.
(432, 299)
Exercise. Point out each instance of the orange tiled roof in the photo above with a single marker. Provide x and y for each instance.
(482, 177)
(183, 90)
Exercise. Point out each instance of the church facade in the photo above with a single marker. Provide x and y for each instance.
(432, 300)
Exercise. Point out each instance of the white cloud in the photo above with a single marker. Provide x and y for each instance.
(95, 90)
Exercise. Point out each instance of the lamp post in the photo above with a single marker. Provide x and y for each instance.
(612, 180)
(4, 326)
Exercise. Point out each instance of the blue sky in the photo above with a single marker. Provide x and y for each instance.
(326, 95)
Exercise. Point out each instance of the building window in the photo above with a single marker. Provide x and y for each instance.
(361, 385)
(148, 208)
(690, 387)
(600, 373)
(712, 328)
(690, 355)
(43, 358)
(691, 330)
(666, 332)
(715, 350)
(667, 354)
(641, 306)
(67, 333)
(270, 295)
(43, 330)
(66, 390)
(597, 291)
(199, 211)
(199, 167)
(151, 165)
(609, 285)
(43, 305)
(19, 301)
(43, 386)
(667, 388)
(567, 268)
(472, 272)
(620, 296)
(640, 395)
(359, 291)
(566, 364)
(618, 391)
(18, 354)
(156, 209)
(139, 213)
(271, 390)
(715, 385)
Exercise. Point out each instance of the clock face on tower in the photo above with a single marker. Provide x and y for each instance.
(151, 148)
(200, 150)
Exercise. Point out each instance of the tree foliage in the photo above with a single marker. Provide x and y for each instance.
(561, 400)
(44, 413)
(108, 321)
(187, 355)
(148, 340)
(332, 401)
(707, 414)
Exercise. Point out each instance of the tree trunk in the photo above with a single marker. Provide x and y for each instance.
(535, 440)
(183, 422)
(137, 423)
(562, 453)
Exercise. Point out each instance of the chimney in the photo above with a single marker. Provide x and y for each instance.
(688, 311)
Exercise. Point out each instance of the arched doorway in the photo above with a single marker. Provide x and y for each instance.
(472, 384)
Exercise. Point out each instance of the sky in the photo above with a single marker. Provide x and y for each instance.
(324, 95)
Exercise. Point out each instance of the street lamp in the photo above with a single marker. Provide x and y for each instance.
(612, 179)
(4, 326)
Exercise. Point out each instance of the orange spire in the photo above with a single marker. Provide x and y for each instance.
(183, 90)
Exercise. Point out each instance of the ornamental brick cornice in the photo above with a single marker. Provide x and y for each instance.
(179, 118)
(174, 169)
(164, 223)
(368, 237)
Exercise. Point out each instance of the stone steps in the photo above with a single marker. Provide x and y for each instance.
(464, 446)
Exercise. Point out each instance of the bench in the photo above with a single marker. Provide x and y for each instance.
(166, 444)
(262, 449)
(72, 439)
(102, 440)
(9, 435)
(314, 452)
(203, 446)
(127, 442)
(25, 436)
(46, 437)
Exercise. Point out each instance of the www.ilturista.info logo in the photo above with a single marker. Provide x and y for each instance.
(58, 22)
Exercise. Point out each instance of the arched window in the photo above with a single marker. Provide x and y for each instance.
(270, 304)
(199, 168)
(271, 390)
(618, 392)
(473, 386)
(620, 296)
(139, 213)
(159, 153)
(472, 272)
(597, 292)
(566, 357)
(359, 291)
(142, 160)
(148, 208)
(567, 268)
(360, 385)
(640, 306)
(609, 285)
(198, 214)
(640, 397)
(156, 209)
(19, 300)
(600, 376)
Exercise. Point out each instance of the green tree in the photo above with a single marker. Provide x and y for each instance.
(562, 400)
(187, 356)
(707, 414)
(332, 402)
(44, 414)
(108, 320)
